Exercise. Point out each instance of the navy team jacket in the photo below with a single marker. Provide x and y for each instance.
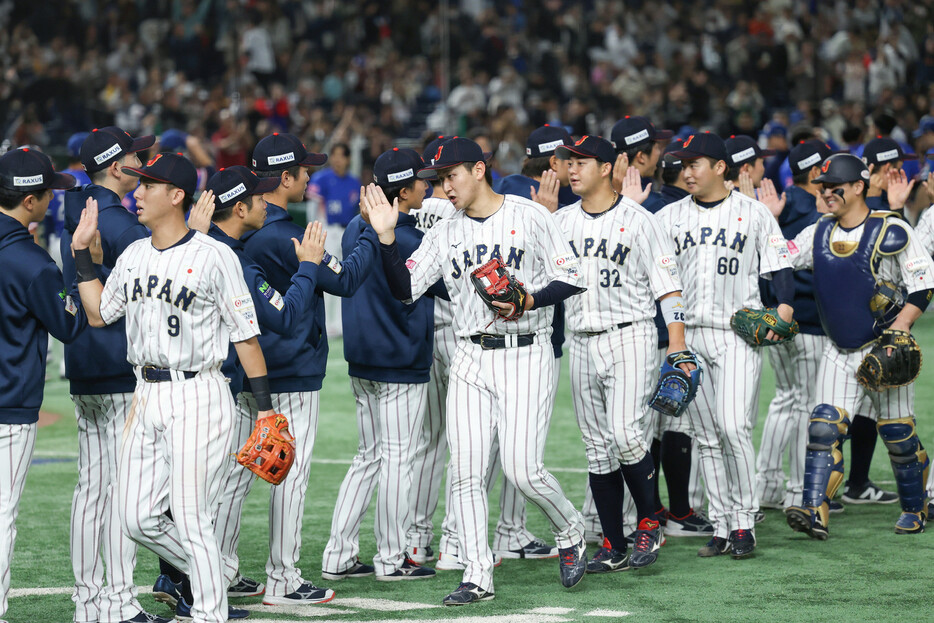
(297, 363)
(33, 303)
(386, 340)
(96, 362)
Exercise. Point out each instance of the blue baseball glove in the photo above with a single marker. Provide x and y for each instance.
(675, 389)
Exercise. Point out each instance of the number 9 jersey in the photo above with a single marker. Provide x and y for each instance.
(171, 299)
(626, 260)
(722, 251)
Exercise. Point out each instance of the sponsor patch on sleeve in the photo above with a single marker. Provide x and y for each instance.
(333, 263)
(70, 306)
(669, 263)
(272, 295)
(567, 263)
(242, 303)
(916, 264)
(779, 244)
(410, 264)
(793, 248)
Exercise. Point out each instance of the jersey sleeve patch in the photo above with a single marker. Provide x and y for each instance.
(410, 264)
(70, 306)
(242, 303)
(916, 264)
(333, 263)
(272, 295)
(669, 263)
(567, 263)
(779, 244)
(793, 248)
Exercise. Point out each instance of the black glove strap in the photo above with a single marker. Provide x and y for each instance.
(84, 265)
(260, 387)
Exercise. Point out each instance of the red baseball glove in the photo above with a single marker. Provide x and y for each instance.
(270, 450)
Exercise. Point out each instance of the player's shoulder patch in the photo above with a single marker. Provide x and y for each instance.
(70, 306)
(668, 263)
(333, 263)
(894, 237)
(566, 263)
(272, 295)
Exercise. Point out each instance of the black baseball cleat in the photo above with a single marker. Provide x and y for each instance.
(805, 520)
(145, 617)
(910, 523)
(245, 587)
(743, 543)
(408, 571)
(467, 593)
(533, 549)
(645, 544)
(868, 493)
(608, 560)
(714, 547)
(572, 564)
(166, 591)
(183, 611)
(357, 570)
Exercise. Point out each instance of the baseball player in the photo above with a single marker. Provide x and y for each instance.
(501, 373)
(851, 251)
(884, 156)
(296, 363)
(637, 139)
(747, 164)
(614, 344)
(186, 295)
(33, 304)
(389, 364)
(724, 241)
(55, 219)
(539, 159)
(795, 363)
(236, 197)
(102, 384)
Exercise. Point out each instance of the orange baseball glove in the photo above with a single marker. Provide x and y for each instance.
(270, 450)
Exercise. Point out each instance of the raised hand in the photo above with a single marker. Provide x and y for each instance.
(899, 188)
(547, 193)
(87, 227)
(769, 196)
(619, 172)
(201, 213)
(311, 248)
(382, 215)
(632, 186)
(745, 184)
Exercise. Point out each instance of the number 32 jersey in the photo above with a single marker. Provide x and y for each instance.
(722, 251)
(183, 305)
(626, 260)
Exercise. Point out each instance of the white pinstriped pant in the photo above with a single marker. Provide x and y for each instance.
(722, 418)
(17, 442)
(389, 416)
(428, 468)
(505, 392)
(796, 364)
(175, 455)
(286, 500)
(98, 545)
(837, 386)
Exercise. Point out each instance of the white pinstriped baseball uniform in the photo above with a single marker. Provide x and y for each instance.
(502, 391)
(183, 305)
(627, 263)
(721, 252)
(924, 233)
(912, 269)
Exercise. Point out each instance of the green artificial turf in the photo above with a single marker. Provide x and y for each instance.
(863, 573)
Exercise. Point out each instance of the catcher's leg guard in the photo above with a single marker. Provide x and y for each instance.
(910, 464)
(823, 466)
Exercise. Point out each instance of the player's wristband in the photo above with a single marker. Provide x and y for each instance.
(260, 387)
(672, 309)
(84, 265)
(783, 284)
(920, 299)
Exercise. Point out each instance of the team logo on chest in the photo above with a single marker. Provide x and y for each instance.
(156, 288)
(735, 240)
(593, 247)
(481, 253)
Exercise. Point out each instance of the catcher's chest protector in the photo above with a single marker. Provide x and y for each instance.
(844, 282)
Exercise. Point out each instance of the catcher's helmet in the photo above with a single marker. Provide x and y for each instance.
(841, 169)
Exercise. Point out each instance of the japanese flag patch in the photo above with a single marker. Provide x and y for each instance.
(242, 303)
(779, 244)
(566, 263)
(668, 262)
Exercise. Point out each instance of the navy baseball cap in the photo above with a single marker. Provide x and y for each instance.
(881, 150)
(808, 154)
(544, 140)
(169, 168)
(278, 152)
(452, 152)
(397, 167)
(432, 148)
(842, 169)
(668, 159)
(588, 147)
(631, 131)
(26, 170)
(105, 145)
(236, 183)
(705, 145)
(742, 149)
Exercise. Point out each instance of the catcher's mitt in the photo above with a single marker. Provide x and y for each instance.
(753, 325)
(494, 283)
(675, 389)
(270, 450)
(880, 371)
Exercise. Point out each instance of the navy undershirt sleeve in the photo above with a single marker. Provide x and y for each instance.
(397, 275)
(554, 292)
(783, 284)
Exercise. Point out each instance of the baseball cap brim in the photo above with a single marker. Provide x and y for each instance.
(768, 153)
(63, 181)
(430, 172)
(144, 173)
(266, 185)
(687, 154)
(140, 143)
(909, 156)
(663, 135)
(314, 160)
(566, 151)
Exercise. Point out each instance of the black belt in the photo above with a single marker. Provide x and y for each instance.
(621, 325)
(492, 342)
(152, 374)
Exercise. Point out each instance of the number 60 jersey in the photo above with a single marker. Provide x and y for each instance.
(626, 260)
(722, 251)
(183, 305)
